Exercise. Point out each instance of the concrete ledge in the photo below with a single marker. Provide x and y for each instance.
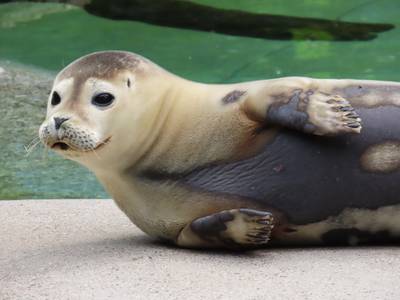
(87, 249)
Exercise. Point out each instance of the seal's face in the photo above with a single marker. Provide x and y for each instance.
(75, 120)
(89, 105)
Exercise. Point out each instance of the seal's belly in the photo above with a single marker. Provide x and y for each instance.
(311, 178)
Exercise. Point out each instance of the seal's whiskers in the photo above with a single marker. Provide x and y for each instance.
(33, 141)
(31, 146)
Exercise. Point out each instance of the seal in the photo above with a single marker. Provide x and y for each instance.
(270, 162)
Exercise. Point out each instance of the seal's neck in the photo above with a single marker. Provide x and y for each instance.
(192, 128)
(178, 113)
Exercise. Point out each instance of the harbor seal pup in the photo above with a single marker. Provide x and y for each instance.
(281, 161)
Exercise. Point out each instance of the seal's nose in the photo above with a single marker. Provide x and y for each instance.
(59, 121)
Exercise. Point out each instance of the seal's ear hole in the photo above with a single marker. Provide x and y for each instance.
(128, 83)
(55, 98)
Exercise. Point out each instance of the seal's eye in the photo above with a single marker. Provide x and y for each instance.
(103, 99)
(55, 98)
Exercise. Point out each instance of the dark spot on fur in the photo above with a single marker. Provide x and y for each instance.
(289, 114)
(211, 226)
(232, 97)
(129, 83)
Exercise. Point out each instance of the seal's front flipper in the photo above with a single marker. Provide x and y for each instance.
(234, 229)
(330, 114)
(316, 113)
(298, 103)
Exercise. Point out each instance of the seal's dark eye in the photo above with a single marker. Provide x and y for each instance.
(55, 98)
(103, 99)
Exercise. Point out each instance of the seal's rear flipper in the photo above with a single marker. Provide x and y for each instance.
(234, 229)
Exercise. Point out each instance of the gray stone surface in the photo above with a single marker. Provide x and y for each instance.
(87, 249)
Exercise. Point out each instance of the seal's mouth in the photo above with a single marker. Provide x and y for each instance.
(60, 146)
(63, 146)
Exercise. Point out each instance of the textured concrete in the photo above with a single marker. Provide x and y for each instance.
(86, 249)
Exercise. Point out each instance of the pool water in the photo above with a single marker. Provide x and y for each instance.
(37, 40)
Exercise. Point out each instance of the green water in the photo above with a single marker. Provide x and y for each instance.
(37, 40)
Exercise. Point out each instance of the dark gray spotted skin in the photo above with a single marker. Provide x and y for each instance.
(308, 178)
(290, 115)
(210, 228)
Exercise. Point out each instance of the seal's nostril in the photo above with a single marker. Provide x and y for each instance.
(59, 121)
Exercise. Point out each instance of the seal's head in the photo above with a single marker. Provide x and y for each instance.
(97, 105)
